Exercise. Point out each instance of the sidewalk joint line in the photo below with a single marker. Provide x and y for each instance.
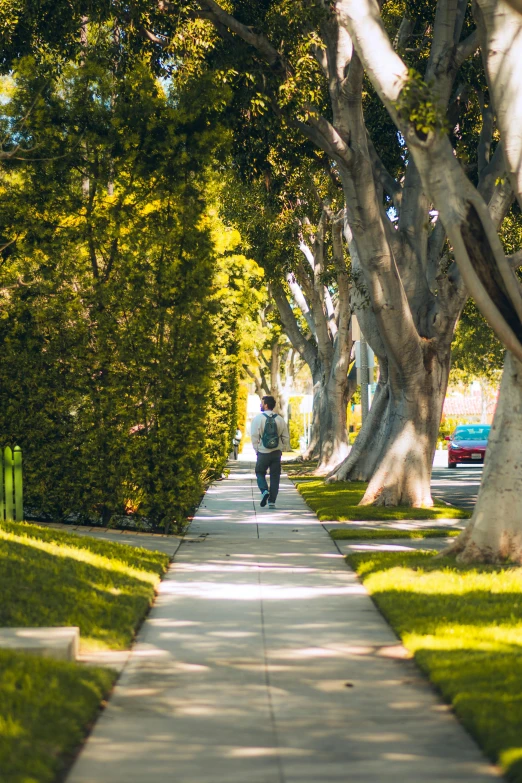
(267, 680)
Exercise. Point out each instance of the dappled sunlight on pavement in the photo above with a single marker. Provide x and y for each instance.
(265, 661)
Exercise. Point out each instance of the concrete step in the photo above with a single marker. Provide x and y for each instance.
(60, 643)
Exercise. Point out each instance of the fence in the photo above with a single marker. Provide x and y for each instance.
(11, 485)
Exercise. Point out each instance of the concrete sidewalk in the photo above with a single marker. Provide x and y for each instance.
(264, 661)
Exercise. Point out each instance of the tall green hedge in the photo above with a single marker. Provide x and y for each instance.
(119, 345)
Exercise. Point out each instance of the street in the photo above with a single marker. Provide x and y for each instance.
(458, 487)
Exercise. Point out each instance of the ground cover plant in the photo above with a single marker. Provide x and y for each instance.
(361, 534)
(339, 502)
(45, 707)
(54, 578)
(463, 625)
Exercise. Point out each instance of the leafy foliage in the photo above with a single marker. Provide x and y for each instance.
(123, 295)
(417, 106)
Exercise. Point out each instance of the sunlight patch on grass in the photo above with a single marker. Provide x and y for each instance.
(363, 534)
(82, 555)
(54, 578)
(340, 502)
(464, 626)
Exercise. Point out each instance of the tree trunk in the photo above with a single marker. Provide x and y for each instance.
(403, 469)
(332, 423)
(363, 457)
(328, 356)
(494, 533)
(277, 390)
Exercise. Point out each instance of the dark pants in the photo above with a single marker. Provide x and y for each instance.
(272, 462)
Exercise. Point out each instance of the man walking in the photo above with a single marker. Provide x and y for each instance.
(270, 437)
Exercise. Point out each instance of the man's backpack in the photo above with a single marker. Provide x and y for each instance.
(270, 439)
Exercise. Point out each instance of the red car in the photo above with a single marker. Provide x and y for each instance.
(468, 444)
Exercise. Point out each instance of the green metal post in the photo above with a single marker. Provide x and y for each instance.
(8, 481)
(18, 485)
(2, 508)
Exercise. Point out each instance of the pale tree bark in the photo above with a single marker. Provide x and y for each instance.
(365, 453)
(277, 386)
(307, 350)
(500, 31)
(494, 533)
(258, 377)
(516, 5)
(415, 326)
(266, 364)
(268, 378)
(495, 530)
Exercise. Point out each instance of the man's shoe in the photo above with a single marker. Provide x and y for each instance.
(271, 505)
(264, 498)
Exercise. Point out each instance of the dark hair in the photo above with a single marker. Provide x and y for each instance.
(269, 402)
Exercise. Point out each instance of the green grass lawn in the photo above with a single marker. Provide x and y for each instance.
(362, 534)
(339, 502)
(45, 708)
(51, 577)
(464, 626)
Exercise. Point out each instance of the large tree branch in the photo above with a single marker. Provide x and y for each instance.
(306, 350)
(404, 32)
(322, 314)
(486, 133)
(300, 300)
(500, 30)
(259, 41)
(466, 48)
(515, 260)
(516, 5)
(259, 381)
(449, 18)
(318, 293)
(302, 276)
(323, 134)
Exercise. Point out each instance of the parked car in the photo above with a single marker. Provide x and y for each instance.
(468, 444)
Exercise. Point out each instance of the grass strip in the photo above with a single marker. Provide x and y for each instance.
(340, 502)
(363, 534)
(50, 577)
(46, 707)
(463, 625)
